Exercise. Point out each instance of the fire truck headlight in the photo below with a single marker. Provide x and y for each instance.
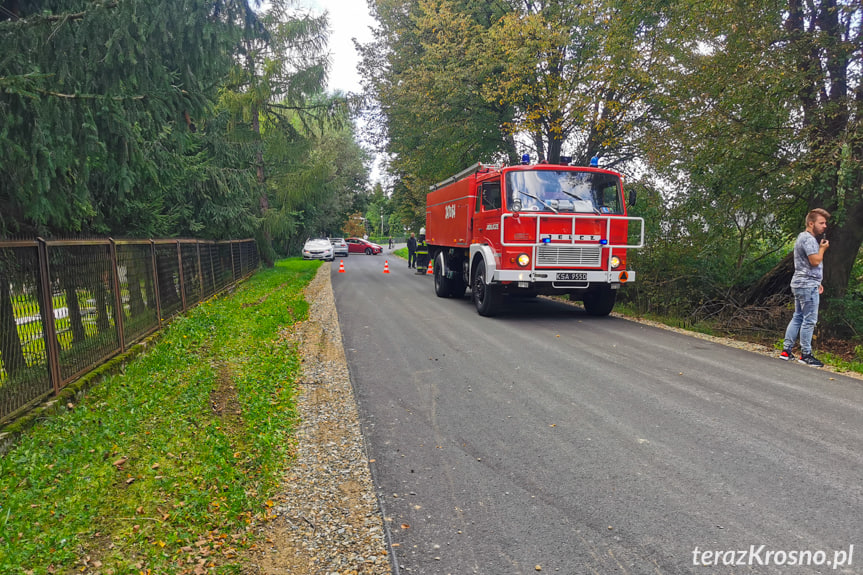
(524, 260)
(615, 262)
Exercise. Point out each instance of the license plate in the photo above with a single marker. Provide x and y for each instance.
(572, 276)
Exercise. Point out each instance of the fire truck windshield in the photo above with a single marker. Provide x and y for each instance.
(564, 191)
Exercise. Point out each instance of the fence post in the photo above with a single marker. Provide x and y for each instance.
(118, 298)
(233, 266)
(212, 263)
(156, 282)
(49, 330)
(242, 251)
(180, 271)
(200, 272)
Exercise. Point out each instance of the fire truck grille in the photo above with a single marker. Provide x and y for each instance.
(582, 256)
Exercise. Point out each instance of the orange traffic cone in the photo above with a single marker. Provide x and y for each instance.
(430, 271)
(341, 266)
(386, 266)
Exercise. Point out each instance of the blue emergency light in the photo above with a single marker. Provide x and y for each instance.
(546, 240)
(525, 159)
(603, 242)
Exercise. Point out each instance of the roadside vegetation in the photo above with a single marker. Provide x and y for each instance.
(218, 127)
(164, 467)
(731, 122)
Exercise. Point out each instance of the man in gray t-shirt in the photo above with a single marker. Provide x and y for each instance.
(806, 286)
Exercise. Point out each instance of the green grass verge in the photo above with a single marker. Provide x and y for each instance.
(842, 364)
(401, 252)
(162, 469)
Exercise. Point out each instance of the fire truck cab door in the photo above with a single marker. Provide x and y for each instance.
(487, 216)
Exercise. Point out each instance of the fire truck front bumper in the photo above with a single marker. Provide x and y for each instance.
(564, 279)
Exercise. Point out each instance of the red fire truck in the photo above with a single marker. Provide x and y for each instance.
(528, 229)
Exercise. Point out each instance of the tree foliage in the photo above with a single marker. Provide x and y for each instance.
(460, 82)
(98, 100)
(577, 75)
(314, 187)
(425, 69)
(354, 227)
(161, 118)
(737, 117)
(761, 113)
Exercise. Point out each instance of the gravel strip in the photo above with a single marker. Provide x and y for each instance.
(326, 520)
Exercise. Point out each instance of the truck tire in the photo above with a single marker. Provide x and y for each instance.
(486, 297)
(442, 284)
(600, 302)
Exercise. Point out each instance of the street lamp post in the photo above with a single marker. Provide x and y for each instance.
(364, 220)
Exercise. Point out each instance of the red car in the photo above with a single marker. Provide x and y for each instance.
(361, 246)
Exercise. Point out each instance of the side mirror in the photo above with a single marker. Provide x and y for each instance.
(632, 198)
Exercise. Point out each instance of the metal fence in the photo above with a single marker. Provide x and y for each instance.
(102, 296)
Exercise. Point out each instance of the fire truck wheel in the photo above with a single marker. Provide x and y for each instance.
(485, 297)
(444, 286)
(599, 303)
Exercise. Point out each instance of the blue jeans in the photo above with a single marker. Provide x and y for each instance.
(804, 319)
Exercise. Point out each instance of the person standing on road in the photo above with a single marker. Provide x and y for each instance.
(412, 251)
(806, 286)
(421, 258)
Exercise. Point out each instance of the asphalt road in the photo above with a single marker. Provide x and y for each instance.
(546, 438)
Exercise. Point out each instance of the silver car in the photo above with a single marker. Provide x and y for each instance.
(340, 247)
(318, 249)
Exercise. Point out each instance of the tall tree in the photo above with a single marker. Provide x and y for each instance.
(426, 80)
(276, 86)
(762, 109)
(315, 189)
(97, 101)
(460, 82)
(577, 74)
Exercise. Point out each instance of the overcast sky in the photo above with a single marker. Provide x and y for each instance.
(349, 19)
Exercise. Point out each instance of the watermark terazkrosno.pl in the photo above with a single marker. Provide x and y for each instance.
(761, 555)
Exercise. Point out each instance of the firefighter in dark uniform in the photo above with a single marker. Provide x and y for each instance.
(422, 253)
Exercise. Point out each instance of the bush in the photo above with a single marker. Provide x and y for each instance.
(842, 317)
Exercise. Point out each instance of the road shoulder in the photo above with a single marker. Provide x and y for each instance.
(325, 518)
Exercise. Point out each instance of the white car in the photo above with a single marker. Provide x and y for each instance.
(318, 249)
(340, 247)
